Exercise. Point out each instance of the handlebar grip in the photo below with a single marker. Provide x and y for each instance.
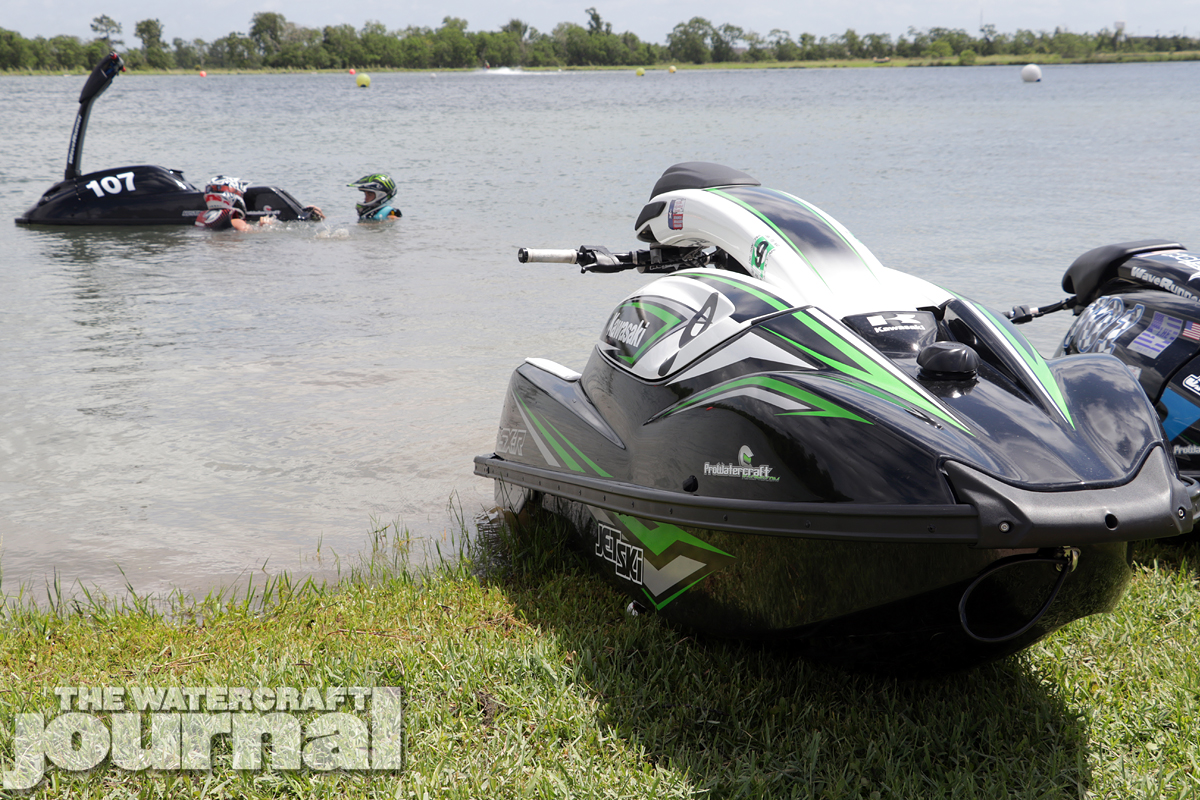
(541, 255)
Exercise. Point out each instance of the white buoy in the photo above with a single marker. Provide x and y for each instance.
(1031, 73)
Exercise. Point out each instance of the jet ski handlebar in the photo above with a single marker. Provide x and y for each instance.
(594, 258)
(1022, 314)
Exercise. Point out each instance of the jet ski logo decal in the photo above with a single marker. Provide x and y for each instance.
(663, 559)
(744, 468)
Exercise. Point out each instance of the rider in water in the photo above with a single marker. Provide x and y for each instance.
(225, 198)
(226, 201)
(378, 190)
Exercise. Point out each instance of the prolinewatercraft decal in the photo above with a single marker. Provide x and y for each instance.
(873, 371)
(663, 559)
(1037, 374)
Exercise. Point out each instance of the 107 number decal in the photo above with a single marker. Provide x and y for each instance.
(111, 184)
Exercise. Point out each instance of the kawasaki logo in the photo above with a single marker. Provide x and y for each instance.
(627, 332)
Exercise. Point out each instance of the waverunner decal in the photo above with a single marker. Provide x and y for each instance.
(876, 373)
(572, 464)
(664, 560)
(791, 400)
(1037, 372)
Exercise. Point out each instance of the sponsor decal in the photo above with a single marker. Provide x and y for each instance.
(744, 468)
(758, 256)
(1101, 324)
(511, 441)
(898, 321)
(1182, 412)
(1192, 383)
(172, 728)
(1191, 330)
(675, 215)
(1183, 257)
(1163, 330)
(1187, 449)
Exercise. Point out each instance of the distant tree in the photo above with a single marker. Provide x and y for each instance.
(105, 26)
(15, 50)
(268, 30)
(784, 48)
(688, 41)
(724, 41)
(153, 48)
(451, 47)
(189, 55)
(595, 24)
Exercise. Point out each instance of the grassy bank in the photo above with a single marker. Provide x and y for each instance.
(533, 682)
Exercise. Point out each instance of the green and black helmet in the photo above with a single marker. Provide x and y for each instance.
(377, 190)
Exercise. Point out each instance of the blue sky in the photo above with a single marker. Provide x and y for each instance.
(651, 20)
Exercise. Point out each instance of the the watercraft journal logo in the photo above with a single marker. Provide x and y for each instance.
(180, 728)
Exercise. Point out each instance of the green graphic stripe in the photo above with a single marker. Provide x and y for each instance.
(659, 539)
(563, 454)
(828, 221)
(580, 453)
(773, 227)
(660, 606)
(867, 370)
(1033, 359)
(666, 316)
(771, 300)
(821, 406)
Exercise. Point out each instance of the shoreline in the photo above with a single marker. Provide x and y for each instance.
(1041, 59)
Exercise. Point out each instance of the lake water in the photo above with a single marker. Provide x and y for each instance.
(180, 408)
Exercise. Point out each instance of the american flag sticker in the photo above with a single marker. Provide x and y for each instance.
(1191, 331)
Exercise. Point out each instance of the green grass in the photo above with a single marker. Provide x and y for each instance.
(530, 680)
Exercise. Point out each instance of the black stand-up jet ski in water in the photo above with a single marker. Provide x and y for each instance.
(1140, 301)
(780, 438)
(138, 195)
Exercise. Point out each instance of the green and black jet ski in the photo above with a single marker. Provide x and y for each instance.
(780, 439)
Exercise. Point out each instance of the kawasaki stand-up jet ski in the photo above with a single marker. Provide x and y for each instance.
(1140, 301)
(137, 195)
(780, 438)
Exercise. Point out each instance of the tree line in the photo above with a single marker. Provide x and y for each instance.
(274, 42)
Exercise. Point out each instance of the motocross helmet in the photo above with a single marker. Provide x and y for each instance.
(377, 190)
(224, 192)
